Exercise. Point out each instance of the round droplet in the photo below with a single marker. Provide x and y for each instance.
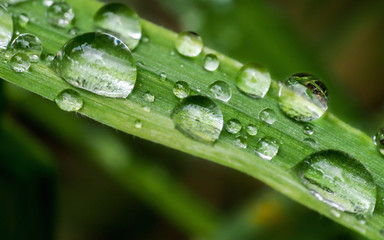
(49, 58)
(199, 118)
(147, 109)
(145, 39)
(254, 80)
(74, 31)
(233, 126)
(47, 3)
(6, 28)
(20, 62)
(189, 44)
(211, 62)
(339, 180)
(28, 44)
(121, 21)
(251, 130)
(308, 129)
(97, 62)
(221, 91)
(59, 14)
(378, 139)
(163, 76)
(23, 20)
(241, 142)
(267, 148)
(181, 89)
(303, 97)
(69, 100)
(138, 124)
(149, 97)
(335, 213)
(268, 116)
(310, 141)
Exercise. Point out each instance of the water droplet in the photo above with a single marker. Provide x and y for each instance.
(20, 62)
(308, 129)
(163, 76)
(6, 28)
(251, 130)
(221, 91)
(310, 141)
(378, 140)
(267, 148)
(74, 31)
(69, 100)
(268, 116)
(23, 20)
(28, 44)
(233, 126)
(49, 58)
(339, 180)
(145, 39)
(211, 62)
(303, 97)
(335, 213)
(97, 62)
(59, 14)
(138, 124)
(172, 53)
(199, 118)
(149, 97)
(121, 21)
(181, 65)
(254, 80)
(147, 109)
(189, 44)
(47, 3)
(241, 142)
(181, 89)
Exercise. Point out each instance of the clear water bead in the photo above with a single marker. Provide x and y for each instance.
(268, 116)
(189, 44)
(198, 118)
(121, 21)
(99, 63)
(28, 44)
(138, 124)
(233, 126)
(303, 97)
(60, 14)
(20, 62)
(149, 97)
(253, 80)
(211, 62)
(378, 139)
(69, 100)
(308, 129)
(163, 76)
(23, 20)
(181, 89)
(267, 148)
(251, 130)
(6, 28)
(221, 91)
(241, 142)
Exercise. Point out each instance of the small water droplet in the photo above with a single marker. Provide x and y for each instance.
(199, 118)
(20, 62)
(378, 140)
(121, 21)
(172, 53)
(268, 116)
(221, 91)
(335, 213)
(99, 63)
(49, 58)
(23, 20)
(339, 180)
(361, 218)
(59, 14)
(251, 130)
(233, 126)
(211, 62)
(163, 76)
(181, 65)
(241, 142)
(74, 31)
(308, 129)
(138, 124)
(6, 28)
(69, 100)
(145, 39)
(181, 89)
(310, 141)
(267, 148)
(149, 97)
(47, 3)
(189, 44)
(147, 109)
(303, 97)
(253, 80)
(28, 44)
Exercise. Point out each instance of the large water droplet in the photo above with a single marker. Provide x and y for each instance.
(28, 44)
(211, 62)
(69, 100)
(189, 44)
(199, 118)
(6, 28)
(59, 14)
(378, 139)
(20, 62)
(339, 180)
(303, 97)
(121, 21)
(181, 89)
(221, 91)
(254, 80)
(251, 130)
(268, 116)
(233, 126)
(267, 148)
(99, 63)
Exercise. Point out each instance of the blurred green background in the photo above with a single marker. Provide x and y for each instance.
(63, 176)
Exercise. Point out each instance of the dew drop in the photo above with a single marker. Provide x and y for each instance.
(268, 116)
(6, 28)
(312, 142)
(308, 129)
(23, 20)
(163, 76)
(221, 91)
(60, 14)
(241, 142)
(47, 3)
(181, 89)
(69, 100)
(138, 124)
(189, 44)
(233, 126)
(335, 213)
(121, 21)
(145, 39)
(267, 148)
(99, 63)
(147, 109)
(251, 130)
(199, 118)
(20, 62)
(74, 31)
(28, 44)
(253, 80)
(378, 140)
(339, 180)
(49, 58)
(211, 62)
(303, 97)
(149, 97)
